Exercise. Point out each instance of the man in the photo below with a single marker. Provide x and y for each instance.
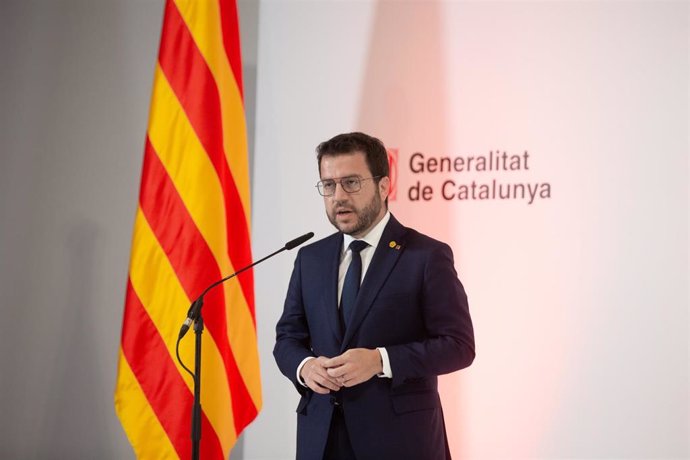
(373, 314)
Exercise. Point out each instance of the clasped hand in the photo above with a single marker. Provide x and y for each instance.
(353, 367)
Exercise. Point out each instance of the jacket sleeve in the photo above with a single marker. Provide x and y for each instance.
(449, 339)
(292, 331)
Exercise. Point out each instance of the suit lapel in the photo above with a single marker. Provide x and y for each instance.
(381, 265)
(331, 287)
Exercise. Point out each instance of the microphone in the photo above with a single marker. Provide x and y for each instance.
(195, 308)
(298, 241)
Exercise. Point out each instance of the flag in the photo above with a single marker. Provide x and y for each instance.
(191, 229)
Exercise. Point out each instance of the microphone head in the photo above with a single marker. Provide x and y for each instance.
(299, 240)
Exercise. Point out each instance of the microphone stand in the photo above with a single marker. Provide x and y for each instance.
(194, 315)
(196, 408)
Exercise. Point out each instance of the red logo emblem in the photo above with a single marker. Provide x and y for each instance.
(393, 173)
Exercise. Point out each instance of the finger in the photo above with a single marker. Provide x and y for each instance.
(324, 374)
(351, 381)
(334, 386)
(339, 371)
(320, 360)
(320, 384)
(335, 361)
(316, 388)
(326, 382)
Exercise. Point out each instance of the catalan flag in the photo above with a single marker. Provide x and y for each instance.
(191, 229)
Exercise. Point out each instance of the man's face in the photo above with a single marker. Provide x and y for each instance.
(353, 213)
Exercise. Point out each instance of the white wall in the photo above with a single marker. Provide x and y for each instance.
(580, 300)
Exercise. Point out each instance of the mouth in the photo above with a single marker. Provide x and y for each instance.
(343, 212)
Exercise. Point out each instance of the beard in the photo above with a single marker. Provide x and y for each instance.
(365, 217)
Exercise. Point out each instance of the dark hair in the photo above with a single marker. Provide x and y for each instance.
(343, 144)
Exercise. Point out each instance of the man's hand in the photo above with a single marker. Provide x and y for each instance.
(355, 366)
(315, 376)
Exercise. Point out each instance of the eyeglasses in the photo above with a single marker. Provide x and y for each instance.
(349, 184)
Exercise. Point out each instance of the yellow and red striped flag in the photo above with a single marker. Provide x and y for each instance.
(191, 229)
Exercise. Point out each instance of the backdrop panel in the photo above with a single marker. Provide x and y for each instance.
(548, 144)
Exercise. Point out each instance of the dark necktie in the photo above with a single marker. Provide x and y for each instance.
(352, 279)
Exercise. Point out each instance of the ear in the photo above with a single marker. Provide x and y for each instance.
(384, 188)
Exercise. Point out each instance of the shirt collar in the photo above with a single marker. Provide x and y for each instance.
(374, 235)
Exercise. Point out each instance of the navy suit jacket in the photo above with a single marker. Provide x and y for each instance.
(410, 302)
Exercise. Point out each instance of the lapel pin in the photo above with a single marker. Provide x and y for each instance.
(397, 247)
(392, 245)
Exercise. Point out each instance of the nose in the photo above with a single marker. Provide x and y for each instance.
(339, 194)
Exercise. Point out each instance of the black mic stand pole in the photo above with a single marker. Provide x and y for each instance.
(196, 409)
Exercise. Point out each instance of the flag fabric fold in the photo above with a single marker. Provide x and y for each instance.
(191, 228)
